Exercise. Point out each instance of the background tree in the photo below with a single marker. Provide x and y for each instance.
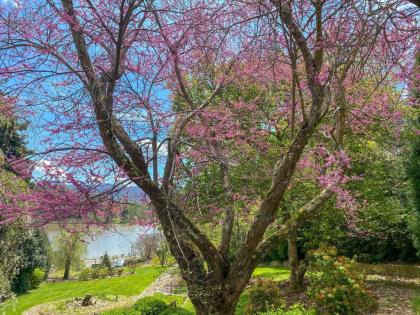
(147, 244)
(106, 261)
(68, 252)
(162, 251)
(413, 165)
(23, 248)
(35, 251)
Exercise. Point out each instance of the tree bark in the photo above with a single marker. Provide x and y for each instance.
(297, 267)
(67, 265)
(217, 301)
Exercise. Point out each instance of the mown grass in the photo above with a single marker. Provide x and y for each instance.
(273, 273)
(415, 302)
(391, 270)
(48, 292)
(133, 284)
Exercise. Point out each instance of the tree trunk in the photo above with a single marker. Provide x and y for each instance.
(67, 268)
(217, 303)
(297, 268)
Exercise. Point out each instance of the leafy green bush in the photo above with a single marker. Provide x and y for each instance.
(121, 311)
(264, 295)
(23, 284)
(150, 306)
(337, 286)
(119, 272)
(106, 261)
(277, 253)
(175, 311)
(37, 276)
(133, 261)
(103, 272)
(297, 309)
(95, 273)
(86, 274)
(5, 290)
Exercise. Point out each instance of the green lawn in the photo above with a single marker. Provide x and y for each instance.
(125, 285)
(273, 273)
(49, 292)
(416, 302)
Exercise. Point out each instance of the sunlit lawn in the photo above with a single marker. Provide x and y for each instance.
(272, 273)
(48, 292)
(416, 302)
(126, 285)
(130, 285)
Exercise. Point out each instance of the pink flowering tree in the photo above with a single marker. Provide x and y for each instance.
(97, 75)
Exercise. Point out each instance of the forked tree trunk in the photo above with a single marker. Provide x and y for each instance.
(214, 284)
(216, 302)
(218, 307)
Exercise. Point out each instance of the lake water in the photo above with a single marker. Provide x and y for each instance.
(116, 241)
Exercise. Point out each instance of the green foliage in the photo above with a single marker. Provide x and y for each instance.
(264, 295)
(5, 290)
(86, 274)
(415, 301)
(28, 279)
(133, 261)
(95, 273)
(121, 311)
(163, 254)
(22, 249)
(22, 283)
(15, 256)
(10, 258)
(172, 310)
(12, 142)
(277, 253)
(154, 308)
(273, 273)
(134, 212)
(128, 285)
(150, 306)
(238, 236)
(384, 214)
(385, 217)
(106, 261)
(337, 286)
(68, 247)
(35, 252)
(413, 171)
(103, 272)
(296, 309)
(37, 276)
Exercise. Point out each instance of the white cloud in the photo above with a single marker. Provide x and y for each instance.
(47, 168)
